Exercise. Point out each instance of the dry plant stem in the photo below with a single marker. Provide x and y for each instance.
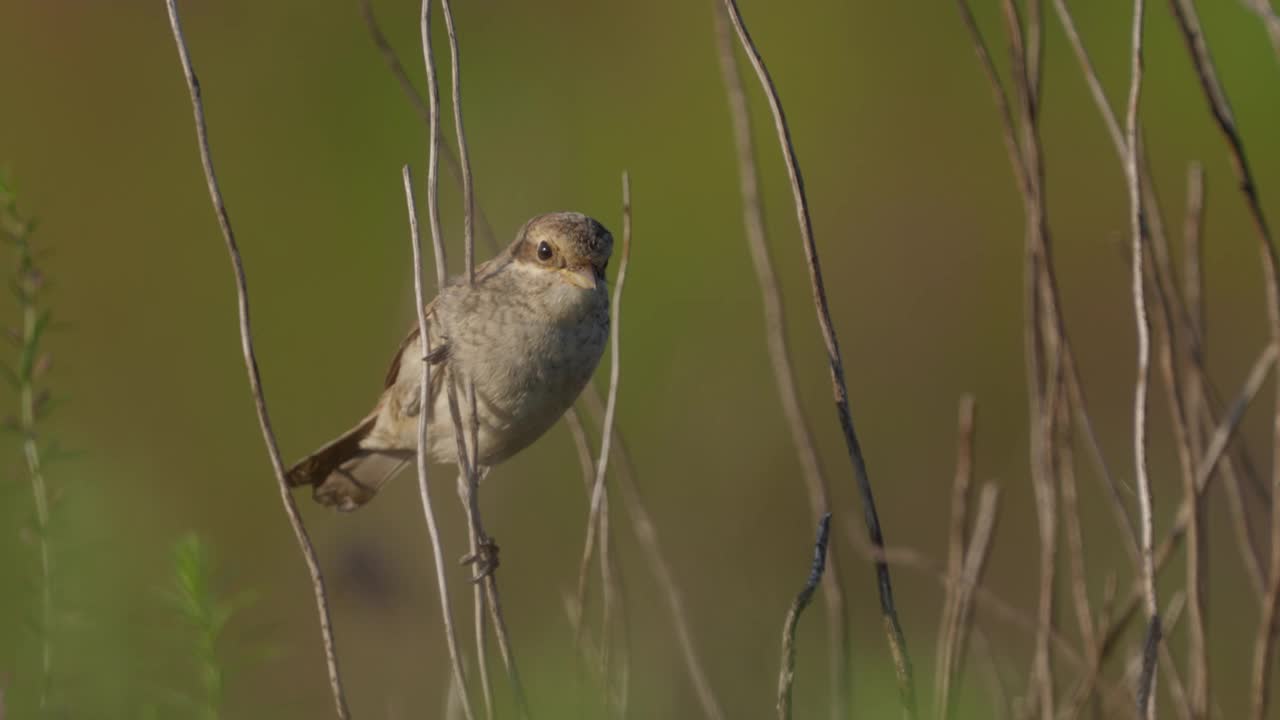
(610, 576)
(1196, 590)
(958, 628)
(920, 563)
(602, 465)
(420, 107)
(1074, 386)
(893, 626)
(1193, 250)
(995, 683)
(1215, 451)
(780, 355)
(437, 552)
(647, 535)
(611, 593)
(1137, 228)
(1169, 667)
(468, 470)
(1189, 23)
(1193, 292)
(1172, 682)
(1046, 353)
(468, 201)
(788, 672)
(1270, 20)
(470, 263)
(1074, 533)
(955, 553)
(251, 365)
(1198, 392)
(504, 644)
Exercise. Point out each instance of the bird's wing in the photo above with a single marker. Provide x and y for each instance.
(437, 356)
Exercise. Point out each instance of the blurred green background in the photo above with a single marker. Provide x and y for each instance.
(916, 217)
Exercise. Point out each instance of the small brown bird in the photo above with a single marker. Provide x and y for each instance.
(529, 333)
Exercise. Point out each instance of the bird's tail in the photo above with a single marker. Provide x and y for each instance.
(344, 474)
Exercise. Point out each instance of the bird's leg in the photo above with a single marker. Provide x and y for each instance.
(484, 553)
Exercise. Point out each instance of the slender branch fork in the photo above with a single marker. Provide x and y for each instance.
(251, 365)
(893, 626)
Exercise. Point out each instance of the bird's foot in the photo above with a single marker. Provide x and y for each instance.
(485, 558)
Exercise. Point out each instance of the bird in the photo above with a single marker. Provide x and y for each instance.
(528, 333)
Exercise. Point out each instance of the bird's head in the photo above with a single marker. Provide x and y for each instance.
(574, 247)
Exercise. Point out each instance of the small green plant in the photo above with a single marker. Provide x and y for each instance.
(205, 617)
(26, 379)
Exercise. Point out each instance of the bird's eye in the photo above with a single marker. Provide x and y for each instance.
(544, 251)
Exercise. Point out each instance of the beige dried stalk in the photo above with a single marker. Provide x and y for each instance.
(251, 366)
(1137, 223)
(960, 491)
(442, 584)
(780, 356)
(646, 532)
(1188, 21)
(602, 465)
(889, 612)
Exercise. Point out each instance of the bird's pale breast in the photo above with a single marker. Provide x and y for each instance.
(529, 343)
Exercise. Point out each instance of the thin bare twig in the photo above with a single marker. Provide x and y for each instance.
(397, 71)
(1047, 350)
(473, 481)
(1138, 229)
(468, 481)
(918, 562)
(602, 465)
(955, 641)
(780, 355)
(468, 201)
(893, 625)
(610, 575)
(1074, 532)
(442, 584)
(647, 535)
(788, 672)
(1198, 392)
(1001, 704)
(1189, 23)
(1216, 448)
(251, 365)
(1270, 20)
(1168, 666)
(955, 555)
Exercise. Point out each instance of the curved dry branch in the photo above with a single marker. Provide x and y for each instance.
(780, 357)
(893, 625)
(598, 491)
(251, 365)
(788, 672)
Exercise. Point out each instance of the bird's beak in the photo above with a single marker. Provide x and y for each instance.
(583, 277)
